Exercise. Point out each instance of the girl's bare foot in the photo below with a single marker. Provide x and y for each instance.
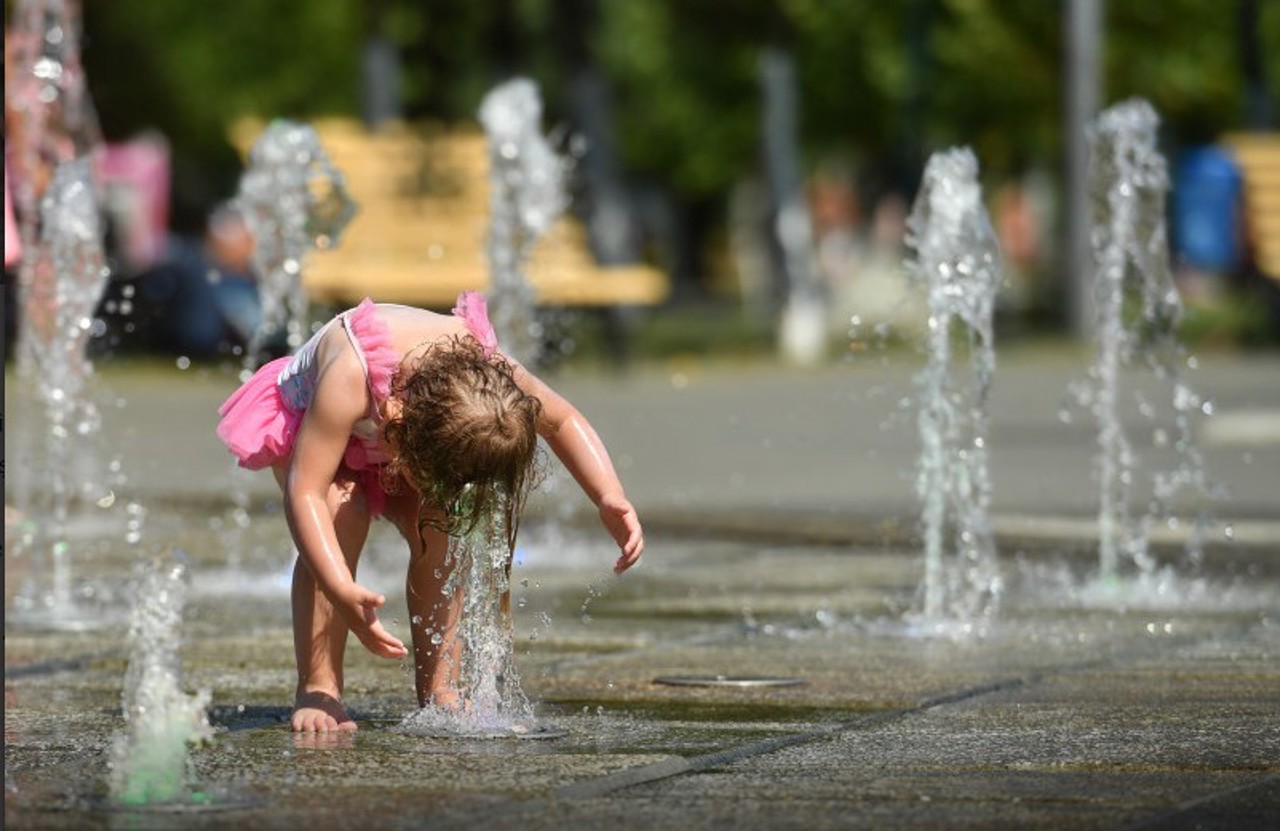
(447, 701)
(318, 712)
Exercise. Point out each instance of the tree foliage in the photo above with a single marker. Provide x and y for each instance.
(880, 82)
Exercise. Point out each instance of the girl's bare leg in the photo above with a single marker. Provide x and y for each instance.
(437, 650)
(319, 635)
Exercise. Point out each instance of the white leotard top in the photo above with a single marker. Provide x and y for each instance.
(297, 381)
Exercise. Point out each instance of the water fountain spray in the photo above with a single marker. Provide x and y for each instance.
(488, 683)
(293, 201)
(61, 277)
(957, 264)
(53, 115)
(1138, 310)
(526, 196)
(70, 273)
(150, 764)
(53, 124)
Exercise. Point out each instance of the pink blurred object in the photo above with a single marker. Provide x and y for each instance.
(134, 176)
(12, 241)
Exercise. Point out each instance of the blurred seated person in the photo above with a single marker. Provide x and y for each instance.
(203, 297)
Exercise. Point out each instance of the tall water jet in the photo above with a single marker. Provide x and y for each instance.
(50, 138)
(150, 764)
(53, 116)
(526, 196)
(488, 683)
(956, 263)
(52, 123)
(1137, 313)
(294, 200)
(69, 273)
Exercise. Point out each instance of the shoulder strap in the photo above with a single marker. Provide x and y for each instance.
(364, 363)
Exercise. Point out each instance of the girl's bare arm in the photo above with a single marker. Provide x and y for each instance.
(340, 401)
(576, 443)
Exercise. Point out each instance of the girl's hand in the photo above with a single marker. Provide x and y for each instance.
(357, 607)
(621, 521)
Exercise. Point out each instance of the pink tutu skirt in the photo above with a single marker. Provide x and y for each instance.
(256, 425)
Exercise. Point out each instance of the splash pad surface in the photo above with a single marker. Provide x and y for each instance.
(1065, 695)
(1114, 713)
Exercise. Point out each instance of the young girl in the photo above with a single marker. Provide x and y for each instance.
(399, 412)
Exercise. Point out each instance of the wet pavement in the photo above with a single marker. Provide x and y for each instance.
(782, 545)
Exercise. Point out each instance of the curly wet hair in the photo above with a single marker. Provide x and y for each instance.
(465, 438)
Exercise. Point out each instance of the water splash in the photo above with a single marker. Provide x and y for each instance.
(1137, 313)
(526, 196)
(54, 125)
(69, 273)
(957, 264)
(294, 201)
(150, 763)
(50, 140)
(54, 118)
(72, 272)
(493, 702)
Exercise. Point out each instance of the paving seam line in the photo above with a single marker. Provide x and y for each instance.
(677, 765)
(1165, 818)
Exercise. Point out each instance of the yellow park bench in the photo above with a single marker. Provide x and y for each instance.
(1258, 155)
(418, 236)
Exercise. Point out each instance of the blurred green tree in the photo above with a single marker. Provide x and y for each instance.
(188, 70)
(882, 84)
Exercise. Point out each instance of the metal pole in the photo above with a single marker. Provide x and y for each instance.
(1083, 52)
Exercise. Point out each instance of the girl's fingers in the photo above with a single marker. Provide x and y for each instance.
(381, 641)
